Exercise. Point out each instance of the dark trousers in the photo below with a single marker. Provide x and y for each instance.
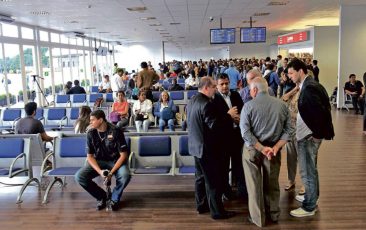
(364, 117)
(208, 188)
(234, 153)
(358, 104)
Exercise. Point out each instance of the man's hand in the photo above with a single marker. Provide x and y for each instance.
(233, 112)
(268, 152)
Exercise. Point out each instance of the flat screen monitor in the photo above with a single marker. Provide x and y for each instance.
(252, 34)
(222, 36)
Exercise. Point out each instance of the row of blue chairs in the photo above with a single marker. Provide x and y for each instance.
(77, 100)
(149, 155)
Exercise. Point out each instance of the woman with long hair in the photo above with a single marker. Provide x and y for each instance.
(82, 123)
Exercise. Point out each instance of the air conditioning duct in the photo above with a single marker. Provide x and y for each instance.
(6, 18)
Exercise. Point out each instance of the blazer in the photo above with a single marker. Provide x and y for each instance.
(231, 135)
(204, 126)
(314, 108)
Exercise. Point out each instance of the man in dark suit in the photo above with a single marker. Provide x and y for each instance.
(77, 89)
(224, 100)
(314, 123)
(204, 125)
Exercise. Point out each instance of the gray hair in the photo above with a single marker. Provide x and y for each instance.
(231, 64)
(259, 83)
(205, 82)
(254, 73)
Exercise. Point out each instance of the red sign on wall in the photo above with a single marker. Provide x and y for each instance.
(293, 38)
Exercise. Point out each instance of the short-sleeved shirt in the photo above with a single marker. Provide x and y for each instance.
(29, 125)
(357, 87)
(106, 146)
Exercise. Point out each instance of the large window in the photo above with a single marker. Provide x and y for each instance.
(46, 69)
(13, 70)
(55, 37)
(57, 68)
(66, 65)
(30, 69)
(43, 36)
(10, 30)
(27, 33)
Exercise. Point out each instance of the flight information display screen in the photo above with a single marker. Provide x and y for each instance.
(252, 34)
(222, 36)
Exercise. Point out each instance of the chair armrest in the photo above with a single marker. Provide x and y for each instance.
(62, 119)
(130, 159)
(14, 122)
(44, 163)
(13, 163)
(174, 162)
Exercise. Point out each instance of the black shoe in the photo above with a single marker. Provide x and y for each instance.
(114, 205)
(225, 215)
(203, 210)
(101, 204)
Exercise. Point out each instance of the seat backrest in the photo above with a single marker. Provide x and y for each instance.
(152, 146)
(10, 149)
(176, 95)
(109, 97)
(93, 97)
(70, 151)
(62, 99)
(55, 114)
(191, 93)
(39, 113)
(94, 89)
(11, 114)
(78, 98)
(156, 95)
(183, 145)
(74, 114)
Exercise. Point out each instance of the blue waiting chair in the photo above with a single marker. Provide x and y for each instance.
(184, 163)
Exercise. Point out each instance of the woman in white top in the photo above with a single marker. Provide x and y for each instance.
(142, 110)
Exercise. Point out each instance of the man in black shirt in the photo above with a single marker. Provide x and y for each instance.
(77, 89)
(106, 150)
(30, 125)
(355, 89)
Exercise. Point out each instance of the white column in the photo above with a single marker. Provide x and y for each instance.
(352, 45)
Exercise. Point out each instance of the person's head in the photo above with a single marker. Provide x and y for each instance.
(174, 81)
(207, 86)
(297, 70)
(142, 96)
(68, 84)
(164, 96)
(231, 64)
(144, 65)
(106, 78)
(121, 96)
(258, 85)
(315, 62)
(120, 71)
(76, 83)
(97, 118)
(84, 112)
(352, 78)
(270, 66)
(223, 83)
(253, 73)
(115, 64)
(285, 62)
(279, 57)
(30, 108)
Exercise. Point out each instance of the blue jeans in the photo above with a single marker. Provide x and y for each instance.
(86, 175)
(308, 159)
(162, 124)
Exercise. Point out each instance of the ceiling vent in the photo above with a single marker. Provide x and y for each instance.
(175, 23)
(137, 9)
(261, 14)
(74, 34)
(278, 3)
(6, 18)
(40, 13)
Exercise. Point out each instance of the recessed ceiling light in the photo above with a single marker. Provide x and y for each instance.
(89, 28)
(137, 8)
(42, 12)
(156, 24)
(261, 14)
(175, 23)
(278, 3)
(247, 21)
(147, 18)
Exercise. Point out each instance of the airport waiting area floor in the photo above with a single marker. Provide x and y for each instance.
(167, 202)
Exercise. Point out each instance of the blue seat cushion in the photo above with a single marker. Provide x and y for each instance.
(64, 171)
(187, 169)
(153, 170)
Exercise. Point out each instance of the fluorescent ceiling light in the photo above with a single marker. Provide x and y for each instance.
(147, 18)
(137, 8)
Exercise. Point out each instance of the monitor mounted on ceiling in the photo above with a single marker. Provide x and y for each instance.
(222, 36)
(252, 34)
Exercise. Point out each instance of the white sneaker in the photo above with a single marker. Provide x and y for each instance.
(300, 198)
(302, 213)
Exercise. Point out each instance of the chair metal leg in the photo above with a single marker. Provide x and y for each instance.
(25, 185)
(55, 180)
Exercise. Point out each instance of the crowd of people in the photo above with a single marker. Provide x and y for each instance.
(246, 112)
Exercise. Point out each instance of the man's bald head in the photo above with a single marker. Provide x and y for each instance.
(253, 73)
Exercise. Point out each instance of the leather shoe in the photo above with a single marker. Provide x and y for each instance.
(114, 205)
(225, 215)
(203, 210)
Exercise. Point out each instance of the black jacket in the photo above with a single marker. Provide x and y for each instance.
(231, 135)
(204, 125)
(314, 108)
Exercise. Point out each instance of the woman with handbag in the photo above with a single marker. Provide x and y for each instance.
(165, 110)
(119, 114)
(142, 110)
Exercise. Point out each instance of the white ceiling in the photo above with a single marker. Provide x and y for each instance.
(96, 17)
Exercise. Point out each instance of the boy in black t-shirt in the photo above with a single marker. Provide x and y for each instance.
(106, 150)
